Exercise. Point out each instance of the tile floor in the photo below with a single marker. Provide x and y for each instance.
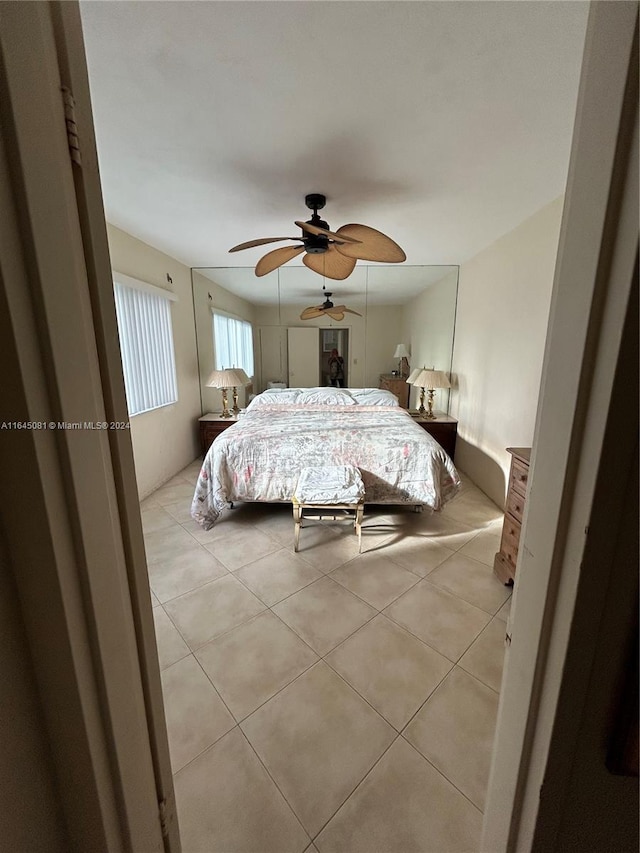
(328, 701)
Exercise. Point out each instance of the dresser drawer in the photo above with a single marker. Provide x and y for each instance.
(519, 478)
(515, 505)
(510, 540)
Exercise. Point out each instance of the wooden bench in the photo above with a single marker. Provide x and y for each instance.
(321, 492)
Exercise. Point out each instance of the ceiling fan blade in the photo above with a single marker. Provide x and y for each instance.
(312, 312)
(275, 259)
(251, 243)
(373, 245)
(344, 309)
(335, 315)
(322, 232)
(330, 264)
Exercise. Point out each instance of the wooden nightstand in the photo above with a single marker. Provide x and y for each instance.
(398, 386)
(210, 428)
(443, 428)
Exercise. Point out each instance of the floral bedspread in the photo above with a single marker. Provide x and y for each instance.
(260, 456)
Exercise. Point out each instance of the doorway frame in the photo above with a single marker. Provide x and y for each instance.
(321, 350)
(69, 503)
(594, 279)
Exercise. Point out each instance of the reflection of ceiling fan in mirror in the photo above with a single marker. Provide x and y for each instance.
(336, 312)
(330, 254)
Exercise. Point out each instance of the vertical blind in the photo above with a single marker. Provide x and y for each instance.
(233, 343)
(146, 345)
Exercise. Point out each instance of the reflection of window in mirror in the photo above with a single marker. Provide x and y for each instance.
(232, 343)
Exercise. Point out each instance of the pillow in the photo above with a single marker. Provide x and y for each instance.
(326, 396)
(374, 397)
(275, 397)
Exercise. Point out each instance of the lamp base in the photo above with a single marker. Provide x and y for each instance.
(421, 409)
(235, 408)
(431, 394)
(225, 405)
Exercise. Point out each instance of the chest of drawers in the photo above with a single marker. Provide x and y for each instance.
(398, 386)
(504, 564)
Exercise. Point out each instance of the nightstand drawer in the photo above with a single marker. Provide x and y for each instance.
(211, 429)
(444, 431)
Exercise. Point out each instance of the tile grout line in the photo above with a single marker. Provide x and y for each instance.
(440, 772)
(479, 680)
(277, 787)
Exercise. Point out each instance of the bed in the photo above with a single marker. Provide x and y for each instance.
(259, 458)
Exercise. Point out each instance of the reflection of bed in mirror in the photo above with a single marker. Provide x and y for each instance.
(260, 457)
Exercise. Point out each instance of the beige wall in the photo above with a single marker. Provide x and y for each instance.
(503, 308)
(384, 333)
(165, 439)
(427, 329)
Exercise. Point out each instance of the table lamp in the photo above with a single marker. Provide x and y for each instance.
(430, 380)
(401, 353)
(224, 379)
(234, 391)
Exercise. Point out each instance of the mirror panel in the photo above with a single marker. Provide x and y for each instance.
(414, 305)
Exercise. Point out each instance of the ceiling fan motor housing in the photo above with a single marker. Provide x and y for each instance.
(315, 244)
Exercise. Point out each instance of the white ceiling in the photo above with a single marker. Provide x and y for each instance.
(443, 124)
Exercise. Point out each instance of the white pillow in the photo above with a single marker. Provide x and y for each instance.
(275, 397)
(374, 397)
(326, 396)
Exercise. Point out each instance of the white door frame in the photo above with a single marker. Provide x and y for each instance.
(593, 283)
(69, 506)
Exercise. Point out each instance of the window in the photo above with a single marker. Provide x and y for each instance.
(146, 344)
(232, 343)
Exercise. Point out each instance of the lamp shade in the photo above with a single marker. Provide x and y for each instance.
(411, 378)
(245, 379)
(432, 379)
(229, 378)
(401, 352)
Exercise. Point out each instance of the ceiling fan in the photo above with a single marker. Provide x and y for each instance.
(331, 254)
(336, 312)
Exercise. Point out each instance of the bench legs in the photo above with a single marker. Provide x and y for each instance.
(297, 518)
(358, 525)
(298, 515)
